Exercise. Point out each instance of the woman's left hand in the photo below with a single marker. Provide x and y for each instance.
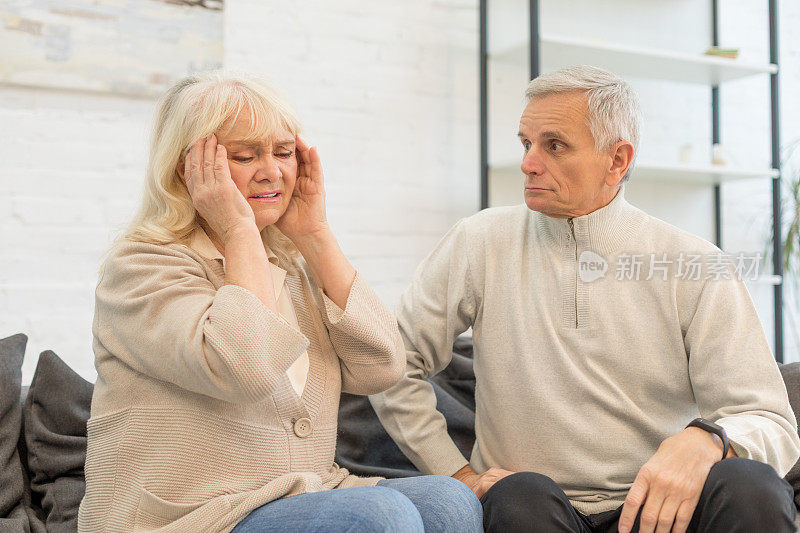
(305, 216)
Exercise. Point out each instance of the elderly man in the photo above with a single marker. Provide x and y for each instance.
(623, 377)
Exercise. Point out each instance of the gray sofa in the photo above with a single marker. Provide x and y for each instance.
(42, 442)
(43, 434)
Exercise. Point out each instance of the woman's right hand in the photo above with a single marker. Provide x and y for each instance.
(214, 194)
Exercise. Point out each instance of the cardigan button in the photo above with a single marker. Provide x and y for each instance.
(302, 427)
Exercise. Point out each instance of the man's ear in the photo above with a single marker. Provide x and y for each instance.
(621, 159)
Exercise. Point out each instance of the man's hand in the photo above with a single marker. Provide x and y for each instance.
(670, 483)
(479, 484)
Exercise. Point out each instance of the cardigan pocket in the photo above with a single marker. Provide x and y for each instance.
(154, 512)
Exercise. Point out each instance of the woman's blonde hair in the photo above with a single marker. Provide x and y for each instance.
(196, 107)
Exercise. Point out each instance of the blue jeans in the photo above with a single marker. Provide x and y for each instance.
(425, 503)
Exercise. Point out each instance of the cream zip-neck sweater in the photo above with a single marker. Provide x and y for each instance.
(581, 379)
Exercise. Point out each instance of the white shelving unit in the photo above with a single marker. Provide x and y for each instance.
(693, 174)
(551, 52)
(638, 62)
(632, 61)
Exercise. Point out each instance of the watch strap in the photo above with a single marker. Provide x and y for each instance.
(716, 429)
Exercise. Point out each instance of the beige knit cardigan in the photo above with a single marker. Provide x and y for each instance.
(194, 421)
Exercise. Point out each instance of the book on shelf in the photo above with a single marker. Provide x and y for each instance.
(718, 51)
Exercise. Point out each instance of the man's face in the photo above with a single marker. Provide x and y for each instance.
(564, 175)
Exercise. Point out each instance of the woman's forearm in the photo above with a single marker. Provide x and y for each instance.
(333, 272)
(247, 266)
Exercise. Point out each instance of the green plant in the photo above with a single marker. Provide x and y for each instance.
(790, 207)
(790, 243)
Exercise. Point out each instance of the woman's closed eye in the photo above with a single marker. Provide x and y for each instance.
(283, 154)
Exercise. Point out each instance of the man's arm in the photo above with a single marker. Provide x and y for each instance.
(736, 384)
(439, 305)
(735, 379)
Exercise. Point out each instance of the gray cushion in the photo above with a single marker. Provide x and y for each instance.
(13, 514)
(56, 410)
(365, 448)
(791, 377)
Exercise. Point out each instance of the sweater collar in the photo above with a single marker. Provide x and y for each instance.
(604, 230)
(201, 243)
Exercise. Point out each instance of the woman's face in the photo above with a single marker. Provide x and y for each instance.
(264, 172)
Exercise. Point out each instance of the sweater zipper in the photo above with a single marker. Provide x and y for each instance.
(577, 266)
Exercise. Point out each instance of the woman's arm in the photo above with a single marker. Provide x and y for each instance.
(366, 340)
(157, 312)
(247, 266)
(332, 271)
(305, 222)
(230, 218)
(363, 332)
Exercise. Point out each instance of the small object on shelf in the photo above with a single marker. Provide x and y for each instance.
(685, 154)
(718, 51)
(718, 155)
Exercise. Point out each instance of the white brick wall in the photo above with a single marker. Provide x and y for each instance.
(388, 92)
(71, 166)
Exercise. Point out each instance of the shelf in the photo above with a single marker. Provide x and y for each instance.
(625, 61)
(706, 174)
(767, 279)
(690, 174)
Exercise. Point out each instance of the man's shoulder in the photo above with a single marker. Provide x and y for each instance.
(496, 219)
(668, 237)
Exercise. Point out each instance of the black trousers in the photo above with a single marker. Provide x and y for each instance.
(739, 495)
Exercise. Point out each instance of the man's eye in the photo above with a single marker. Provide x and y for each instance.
(556, 146)
(526, 145)
(242, 159)
(286, 154)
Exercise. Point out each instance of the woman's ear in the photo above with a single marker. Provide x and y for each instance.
(180, 168)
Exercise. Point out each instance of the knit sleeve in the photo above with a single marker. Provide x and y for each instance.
(365, 337)
(734, 376)
(158, 312)
(438, 306)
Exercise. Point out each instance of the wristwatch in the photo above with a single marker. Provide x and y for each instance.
(716, 429)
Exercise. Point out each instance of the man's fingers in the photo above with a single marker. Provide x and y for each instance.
(667, 515)
(650, 512)
(683, 516)
(633, 501)
(484, 485)
(500, 474)
(488, 479)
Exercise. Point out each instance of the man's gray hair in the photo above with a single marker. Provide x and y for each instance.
(614, 112)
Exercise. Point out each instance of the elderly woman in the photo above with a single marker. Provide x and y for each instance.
(227, 322)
